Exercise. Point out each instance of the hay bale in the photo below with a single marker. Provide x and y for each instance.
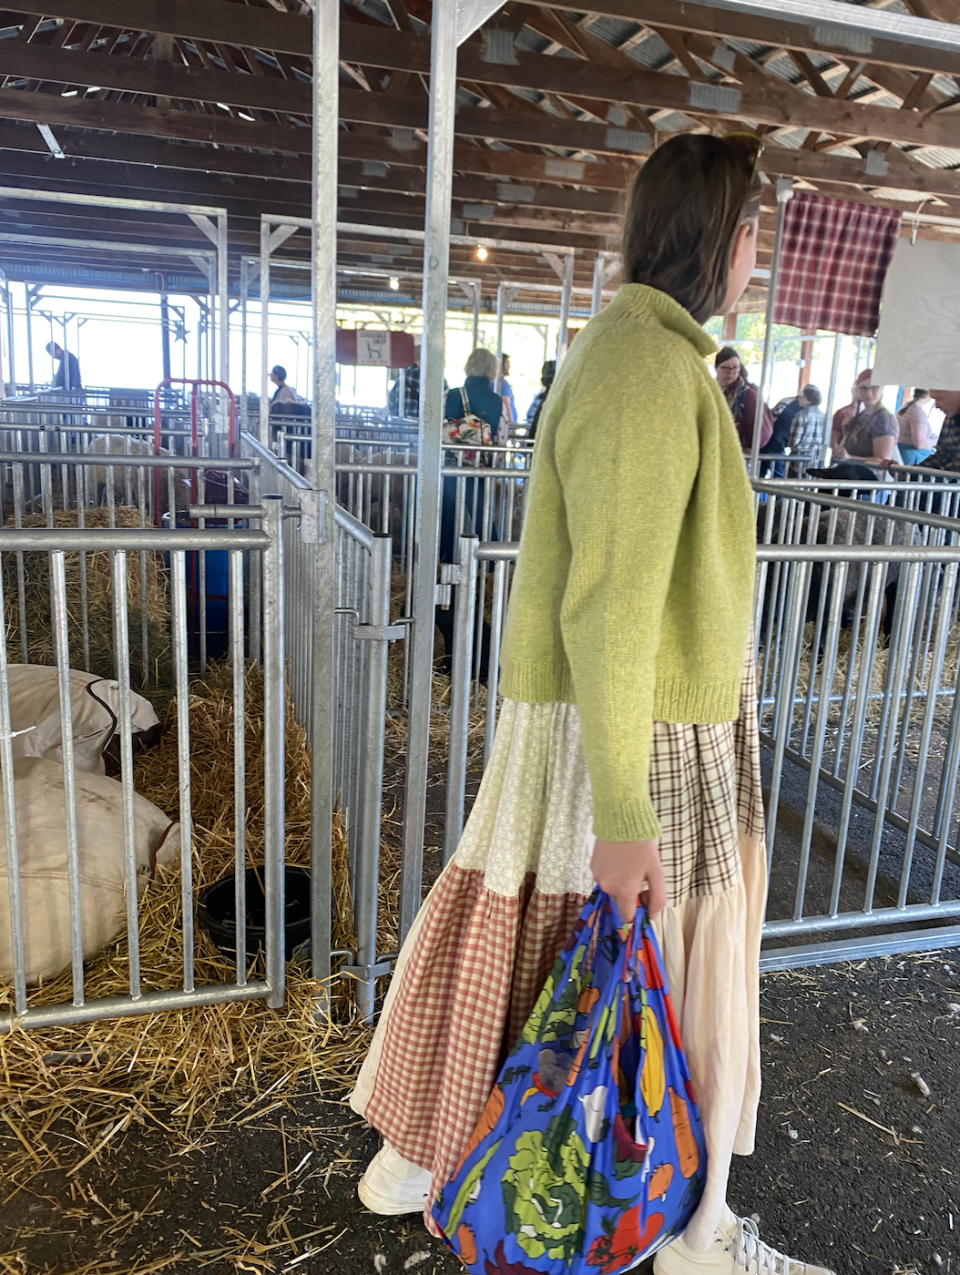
(38, 619)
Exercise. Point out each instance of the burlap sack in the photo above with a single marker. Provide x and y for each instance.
(95, 709)
(42, 846)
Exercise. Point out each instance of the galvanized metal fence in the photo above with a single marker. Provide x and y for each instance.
(362, 634)
(54, 544)
(857, 645)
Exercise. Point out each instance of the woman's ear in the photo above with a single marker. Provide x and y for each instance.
(743, 258)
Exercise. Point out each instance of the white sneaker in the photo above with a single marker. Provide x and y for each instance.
(392, 1185)
(737, 1250)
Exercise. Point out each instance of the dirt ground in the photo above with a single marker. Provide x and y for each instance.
(855, 1166)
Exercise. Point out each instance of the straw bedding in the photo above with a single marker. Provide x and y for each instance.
(172, 1068)
(39, 627)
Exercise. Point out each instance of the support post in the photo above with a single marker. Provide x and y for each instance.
(605, 266)
(366, 885)
(436, 257)
(502, 303)
(29, 296)
(806, 358)
(460, 682)
(165, 335)
(326, 76)
(831, 395)
(274, 717)
(783, 198)
(265, 301)
(476, 315)
(11, 364)
(565, 297)
(223, 303)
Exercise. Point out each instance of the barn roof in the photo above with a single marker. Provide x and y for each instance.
(209, 102)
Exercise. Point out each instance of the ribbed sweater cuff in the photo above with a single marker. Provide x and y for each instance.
(697, 704)
(632, 820)
(535, 682)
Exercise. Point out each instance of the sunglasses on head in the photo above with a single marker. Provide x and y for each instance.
(747, 144)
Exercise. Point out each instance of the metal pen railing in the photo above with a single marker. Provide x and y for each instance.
(54, 544)
(859, 719)
(362, 634)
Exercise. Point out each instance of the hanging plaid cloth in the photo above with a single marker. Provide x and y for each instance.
(834, 256)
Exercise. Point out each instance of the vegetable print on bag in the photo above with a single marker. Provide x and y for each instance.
(589, 1155)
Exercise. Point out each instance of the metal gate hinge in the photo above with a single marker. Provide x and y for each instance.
(313, 518)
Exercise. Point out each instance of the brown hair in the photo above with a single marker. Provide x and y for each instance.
(687, 204)
(726, 355)
(812, 395)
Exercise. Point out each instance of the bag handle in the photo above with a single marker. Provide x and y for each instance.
(465, 401)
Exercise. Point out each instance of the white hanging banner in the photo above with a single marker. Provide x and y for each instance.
(918, 341)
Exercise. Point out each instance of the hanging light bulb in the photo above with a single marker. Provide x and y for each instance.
(394, 283)
(481, 253)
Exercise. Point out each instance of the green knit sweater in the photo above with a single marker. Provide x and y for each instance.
(634, 585)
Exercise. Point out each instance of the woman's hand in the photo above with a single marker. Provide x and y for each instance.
(628, 869)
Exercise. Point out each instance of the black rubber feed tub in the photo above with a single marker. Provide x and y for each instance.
(218, 913)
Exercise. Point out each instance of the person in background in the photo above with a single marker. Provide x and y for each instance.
(477, 396)
(67, 376)
(844, 415)
(870, 434)
(411, 390)
(917, 439)
(946, 454)
(783, 414)
(283, 393)
(806, 428)
(547, 374)
(741, 398)
(506, 392)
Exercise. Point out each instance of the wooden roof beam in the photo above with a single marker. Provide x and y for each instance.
(778, 33)
(779, 104)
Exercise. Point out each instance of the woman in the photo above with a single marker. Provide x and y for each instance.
(844, 415)
(870, 434)
(477, 397)
(626, 750)
(916, 437)
(741, 398)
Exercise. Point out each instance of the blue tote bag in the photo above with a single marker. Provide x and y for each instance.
(589, 1155)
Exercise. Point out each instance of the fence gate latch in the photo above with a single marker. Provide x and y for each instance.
(379, 632)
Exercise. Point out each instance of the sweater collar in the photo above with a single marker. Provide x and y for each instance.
(643, 302)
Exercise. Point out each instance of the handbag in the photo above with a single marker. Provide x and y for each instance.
(468, 429)
(590, 1154)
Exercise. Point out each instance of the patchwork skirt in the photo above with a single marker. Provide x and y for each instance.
(494, 923)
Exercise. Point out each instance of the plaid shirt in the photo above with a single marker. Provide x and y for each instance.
(947, 455)
(834, 259)
(806, 432)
